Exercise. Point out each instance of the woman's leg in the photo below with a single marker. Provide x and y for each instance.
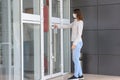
(80, 68)
(76, 56)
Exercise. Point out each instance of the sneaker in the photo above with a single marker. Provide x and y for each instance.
(73, 78)
(81, 77)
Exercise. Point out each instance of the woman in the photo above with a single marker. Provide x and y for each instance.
(77, 28)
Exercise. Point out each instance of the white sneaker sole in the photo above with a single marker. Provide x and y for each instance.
(73, 79)
(81, 78)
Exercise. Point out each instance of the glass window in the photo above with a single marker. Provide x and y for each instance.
(56, 50)
(5, 51)
(55, 8)
(31, 6)
(31, 46)
(46, 2)
(47, 53)
(0, 17)
(66, 50)
(46, 38)
(66, 8)
(0, 34)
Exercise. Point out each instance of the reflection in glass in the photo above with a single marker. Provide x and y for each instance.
(46, 53)
(66, 8)
(66, 50)
(0, 37)
(28, 52)
(31, 34)
(55, 8)
(5, 65)
(46, 38)
(31, 6)
(56, 50)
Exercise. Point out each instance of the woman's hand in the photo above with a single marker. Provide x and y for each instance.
(55, 26)
(73, 46)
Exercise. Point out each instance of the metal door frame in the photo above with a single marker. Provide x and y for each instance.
(34, 19)
(19, 19)
(18, 39)
(60, 21)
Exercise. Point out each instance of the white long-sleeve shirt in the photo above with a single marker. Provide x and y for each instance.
(77, 28)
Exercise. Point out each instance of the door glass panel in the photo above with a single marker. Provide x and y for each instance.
(31, 6)
(46, 38)
(56, 50)
(5, 49)
(66, 8)
(31, 38)
(66, 50)
(55, 8)
(46, 53)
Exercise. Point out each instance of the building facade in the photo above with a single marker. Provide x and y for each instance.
(101, 49)
(30, 49)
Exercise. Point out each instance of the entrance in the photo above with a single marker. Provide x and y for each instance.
(55, 60)
(31, 37)
(42, 54)
(52, 40)
(30, 48)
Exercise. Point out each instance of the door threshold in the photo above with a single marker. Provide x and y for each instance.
(47, 77)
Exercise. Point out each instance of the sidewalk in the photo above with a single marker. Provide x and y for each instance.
(90, 77)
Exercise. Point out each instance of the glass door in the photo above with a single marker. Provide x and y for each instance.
(66, 36)
(52, 38)
(6, 63)
(31, 50)
(31, 29)
(31, 6)
(46, 38)
(56, 37)
(56, 50)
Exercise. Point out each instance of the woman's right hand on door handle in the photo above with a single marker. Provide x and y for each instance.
(55, 26)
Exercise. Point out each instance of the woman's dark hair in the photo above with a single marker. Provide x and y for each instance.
(79, 14)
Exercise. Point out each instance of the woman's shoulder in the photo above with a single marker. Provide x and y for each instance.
(77, 21)
(80, 21)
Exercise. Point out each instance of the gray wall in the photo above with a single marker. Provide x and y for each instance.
(101, 35)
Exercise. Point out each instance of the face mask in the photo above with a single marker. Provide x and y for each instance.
(74, 15)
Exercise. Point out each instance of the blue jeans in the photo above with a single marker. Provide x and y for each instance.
(75, 58)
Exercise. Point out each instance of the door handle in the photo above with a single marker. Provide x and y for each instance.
(55, 29)
(52, 57)
(55, 48)
(52, 26)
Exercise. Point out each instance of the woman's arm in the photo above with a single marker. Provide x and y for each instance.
(65, 26)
